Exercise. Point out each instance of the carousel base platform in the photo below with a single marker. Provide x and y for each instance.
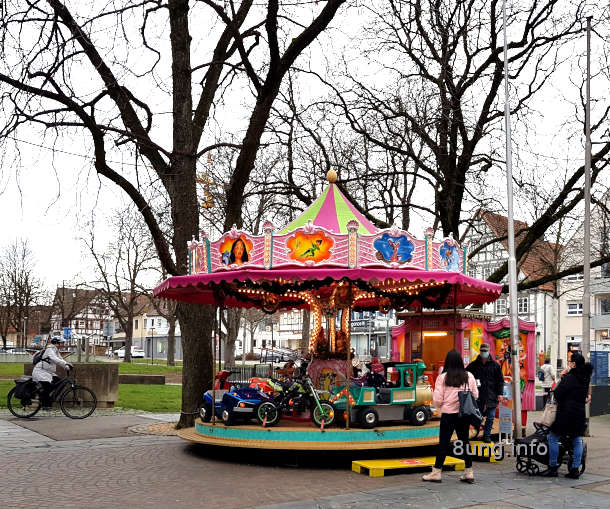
(307, 437)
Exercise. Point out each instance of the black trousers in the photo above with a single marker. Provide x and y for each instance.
(449, 424)
(47, 389)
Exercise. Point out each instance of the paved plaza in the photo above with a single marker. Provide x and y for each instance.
(105, 464)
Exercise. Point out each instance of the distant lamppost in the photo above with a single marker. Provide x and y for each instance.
(152, 343)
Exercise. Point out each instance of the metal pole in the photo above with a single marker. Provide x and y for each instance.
(369, 342)
(512, 262)
(586, 298)
(348, 368)
(215, 332)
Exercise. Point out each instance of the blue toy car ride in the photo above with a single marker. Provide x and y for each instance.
(232, 405)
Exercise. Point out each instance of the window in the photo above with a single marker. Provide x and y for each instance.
(575, 277)
(523, 305)
(158, 322)
(135, 324)
(96, 324)
(574, 308)
(81, 324)
(501, 307)
(145, 320)
(604, 306)
(487, 271)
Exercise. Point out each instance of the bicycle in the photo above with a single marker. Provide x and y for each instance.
(76, 401)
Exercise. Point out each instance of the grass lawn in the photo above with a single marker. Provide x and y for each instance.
(151, 398)
(11, 368)
(161, 362)
(126, 368)
(5, 386)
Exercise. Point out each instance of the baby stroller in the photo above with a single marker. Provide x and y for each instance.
(532, 452)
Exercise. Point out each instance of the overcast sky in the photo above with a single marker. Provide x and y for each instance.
(50, 208)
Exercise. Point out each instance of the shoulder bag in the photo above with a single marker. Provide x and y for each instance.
(469, 407)
(550, 411)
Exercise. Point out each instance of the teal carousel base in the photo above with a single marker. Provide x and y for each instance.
(291, 436)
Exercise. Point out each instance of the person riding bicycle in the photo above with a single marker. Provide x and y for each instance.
(44, 371)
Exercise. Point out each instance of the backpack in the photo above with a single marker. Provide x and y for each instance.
(38, 357)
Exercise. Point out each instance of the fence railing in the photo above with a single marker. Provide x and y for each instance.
(241, 374)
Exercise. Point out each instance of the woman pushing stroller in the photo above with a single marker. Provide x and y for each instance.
(571, 394)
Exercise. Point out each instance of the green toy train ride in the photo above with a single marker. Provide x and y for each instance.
(391, 391)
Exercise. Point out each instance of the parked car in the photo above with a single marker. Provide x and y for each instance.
(136, 352)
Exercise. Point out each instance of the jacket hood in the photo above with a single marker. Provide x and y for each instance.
(583, 373)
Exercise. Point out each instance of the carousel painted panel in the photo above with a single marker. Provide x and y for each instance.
(237, 249)
(447, 255)
(309, 247)
(391, 248)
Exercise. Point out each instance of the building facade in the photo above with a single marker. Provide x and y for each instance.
(571, 288)
(79, 313)
(488, 242)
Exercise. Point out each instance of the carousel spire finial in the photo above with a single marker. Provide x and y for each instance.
(331, 176)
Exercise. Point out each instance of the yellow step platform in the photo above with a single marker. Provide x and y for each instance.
(487, 451)
(377, 468)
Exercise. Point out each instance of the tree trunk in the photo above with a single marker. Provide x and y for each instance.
(233, 320)
(196, 330)
(4, 341)
(171, 341)
(128, 339)
(252, 331)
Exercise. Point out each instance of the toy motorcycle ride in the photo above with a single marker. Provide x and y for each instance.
(233, 403)
(297, 395)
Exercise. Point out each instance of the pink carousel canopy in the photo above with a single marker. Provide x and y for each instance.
(330, 244)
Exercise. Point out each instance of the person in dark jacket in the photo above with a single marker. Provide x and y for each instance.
(571, 394)
(489, 375)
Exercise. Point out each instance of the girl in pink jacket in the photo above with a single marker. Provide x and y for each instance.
(450, 382)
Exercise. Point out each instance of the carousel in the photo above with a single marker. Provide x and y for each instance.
(331, 260)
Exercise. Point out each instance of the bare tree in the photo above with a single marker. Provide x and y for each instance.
(253, 318)
(121, 267)
(167, 309)
(20, 289)
(49, 48)
(446, 60)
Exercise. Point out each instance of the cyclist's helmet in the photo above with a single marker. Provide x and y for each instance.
(57, 340)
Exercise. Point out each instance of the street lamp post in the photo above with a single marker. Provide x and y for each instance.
(152, 344)
(25, 319)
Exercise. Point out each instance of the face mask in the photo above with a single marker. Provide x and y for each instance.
(484, 355)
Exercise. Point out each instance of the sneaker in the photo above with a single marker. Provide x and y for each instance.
(573, 473)
(550, 472)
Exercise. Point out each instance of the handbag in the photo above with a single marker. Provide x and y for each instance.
(550, 411)
(469, 408)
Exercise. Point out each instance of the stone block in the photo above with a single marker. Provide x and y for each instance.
(142, 379)
(102, 379)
